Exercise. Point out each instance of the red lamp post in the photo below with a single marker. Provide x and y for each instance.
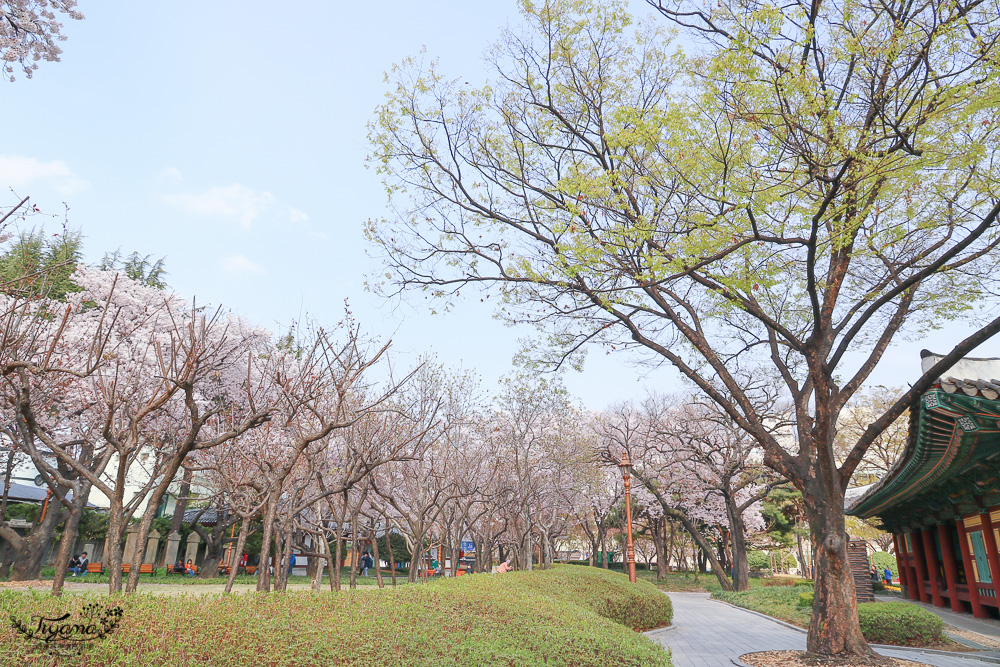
(626, 467)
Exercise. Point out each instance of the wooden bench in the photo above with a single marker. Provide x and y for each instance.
(145, 568)
(95, 568)
(251, 569)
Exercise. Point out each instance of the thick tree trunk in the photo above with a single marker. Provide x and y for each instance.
(834, 628)
(737, 535)
(214, 551)
(27, 565)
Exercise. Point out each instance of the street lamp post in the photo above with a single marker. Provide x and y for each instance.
(626, 467)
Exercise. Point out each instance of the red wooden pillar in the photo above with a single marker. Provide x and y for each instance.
(916, 539)
(930, 557)
(963, 543)
(950, 567)
(991, 552)
(900, 560)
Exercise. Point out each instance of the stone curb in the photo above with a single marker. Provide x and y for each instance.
(908, 649)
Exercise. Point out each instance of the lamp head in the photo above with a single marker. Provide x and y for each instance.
(625, 465)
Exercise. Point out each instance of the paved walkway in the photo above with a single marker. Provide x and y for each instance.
(708, 633)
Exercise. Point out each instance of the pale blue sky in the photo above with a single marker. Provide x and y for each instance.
(229, 137)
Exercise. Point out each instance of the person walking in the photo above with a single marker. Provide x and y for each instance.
(888, 575)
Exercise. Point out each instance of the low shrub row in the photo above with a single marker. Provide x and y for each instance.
(900, 623)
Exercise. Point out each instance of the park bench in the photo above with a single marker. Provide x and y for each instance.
(95, 568)
(170, 570)
(251, 569)
(145, 568)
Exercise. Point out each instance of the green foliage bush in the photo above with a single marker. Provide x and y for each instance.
(882, 560)
(806, 599)
(899, 623)
(758, 560)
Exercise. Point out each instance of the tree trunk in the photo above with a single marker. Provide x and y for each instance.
(378, 569)
(263, 567)
(833, 628)
(241, 542)
(388, 551)
(802, 555)
(113, 546)
(177, 519)
(79, 503)
(215, 543)
(737, 535)
(27, 565)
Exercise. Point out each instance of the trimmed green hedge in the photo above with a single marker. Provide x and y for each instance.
(900, 623)
(806, 599)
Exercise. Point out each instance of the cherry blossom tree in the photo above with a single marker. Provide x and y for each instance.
(30, 32)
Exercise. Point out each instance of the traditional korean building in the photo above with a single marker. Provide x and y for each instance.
(941, 499)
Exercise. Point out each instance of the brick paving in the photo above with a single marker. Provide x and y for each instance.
(708, 633)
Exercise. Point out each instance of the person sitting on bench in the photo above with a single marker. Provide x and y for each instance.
(179, 566)
(81, 565)
(189, 568)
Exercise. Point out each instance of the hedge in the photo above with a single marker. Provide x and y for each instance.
(900, 623)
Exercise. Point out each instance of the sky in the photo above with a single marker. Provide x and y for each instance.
(229, 137)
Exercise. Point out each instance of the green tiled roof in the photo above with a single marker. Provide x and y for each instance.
(950, 461)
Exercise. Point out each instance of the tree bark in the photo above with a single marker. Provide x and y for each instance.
(263, 567)
(27, 563)
(79, 503)
(241, 542)
(388, 551)
(378, 569)
(834, 627)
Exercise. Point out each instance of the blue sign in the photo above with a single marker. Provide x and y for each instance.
(468, 545)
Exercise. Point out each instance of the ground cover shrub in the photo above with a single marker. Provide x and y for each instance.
(806, 599)
(779, 581)
(781, 602)
(561, 616)
(900, 623)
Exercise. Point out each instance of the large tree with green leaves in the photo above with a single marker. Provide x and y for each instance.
(818, 181)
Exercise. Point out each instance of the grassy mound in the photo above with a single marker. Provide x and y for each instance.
(563, 616)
